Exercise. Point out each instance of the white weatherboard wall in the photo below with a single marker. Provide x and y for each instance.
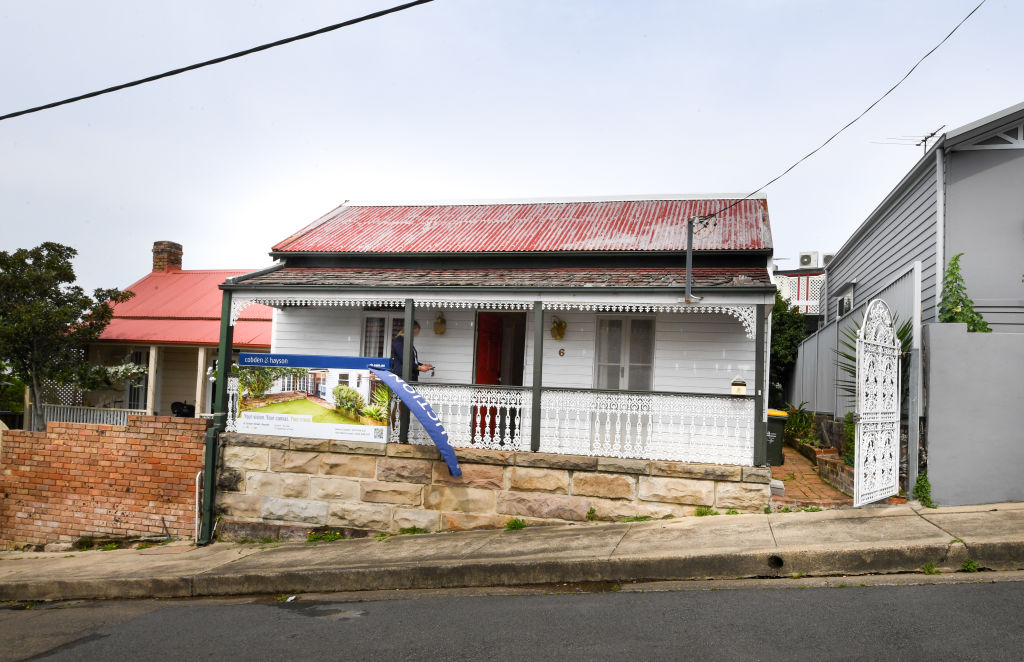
(693, 353)
(329, 331)
(699, 353)
(451, 353)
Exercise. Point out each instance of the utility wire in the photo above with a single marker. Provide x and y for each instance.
(217, 60)
(707, 217)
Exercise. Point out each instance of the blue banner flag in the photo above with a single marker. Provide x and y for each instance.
(422, 410)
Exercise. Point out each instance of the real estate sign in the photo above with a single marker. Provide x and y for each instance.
(322, 397)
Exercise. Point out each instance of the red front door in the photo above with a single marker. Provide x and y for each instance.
(488, 369)
(488, 349)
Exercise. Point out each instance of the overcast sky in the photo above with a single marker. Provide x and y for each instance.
(467, 99)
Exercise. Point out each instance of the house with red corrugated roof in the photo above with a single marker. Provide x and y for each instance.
(171, 326)
(564, 326)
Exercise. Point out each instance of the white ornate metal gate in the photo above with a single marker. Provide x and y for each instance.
(876, 467)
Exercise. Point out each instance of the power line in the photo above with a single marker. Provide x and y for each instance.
(217, 60)
(707, 217)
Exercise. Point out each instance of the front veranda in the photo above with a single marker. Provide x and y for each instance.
(639, 380)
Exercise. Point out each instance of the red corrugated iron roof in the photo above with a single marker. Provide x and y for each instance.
(539, 277)
(623, 225)
(248, 333)
(183, 307)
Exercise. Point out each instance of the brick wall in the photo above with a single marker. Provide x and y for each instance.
(283, 486)
(79, 480)
(836, 473)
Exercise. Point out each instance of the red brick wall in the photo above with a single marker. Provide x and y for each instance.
(79, 480)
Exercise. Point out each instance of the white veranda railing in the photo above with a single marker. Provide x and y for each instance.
(661, 426)
(478, 416)
(96, 415)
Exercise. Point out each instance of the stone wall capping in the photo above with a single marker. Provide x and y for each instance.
(307, 444)
(757, 475)
(257, 440)
(623, 465)
(696, 470)
(363, 447)
(555, 461)
(413, 450)
(484, 456)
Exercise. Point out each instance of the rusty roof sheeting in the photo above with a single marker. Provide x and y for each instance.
(625, 225)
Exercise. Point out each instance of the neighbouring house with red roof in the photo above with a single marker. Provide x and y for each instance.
(171, 326)
(558, 326)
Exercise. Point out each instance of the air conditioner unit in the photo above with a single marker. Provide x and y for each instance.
(826, 258)
(809, 259)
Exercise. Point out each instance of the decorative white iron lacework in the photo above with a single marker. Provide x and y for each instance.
(876, 467)
(653, 426)
(68, 414)
(477, 416)
(232, 419)
(688, 428)
(746, 314)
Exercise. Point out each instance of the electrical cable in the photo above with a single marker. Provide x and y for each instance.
(707, 217)
(217, 60)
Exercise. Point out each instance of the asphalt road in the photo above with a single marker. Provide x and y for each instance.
(922, 622)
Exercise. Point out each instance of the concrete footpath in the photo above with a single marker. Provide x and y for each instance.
(879, 539)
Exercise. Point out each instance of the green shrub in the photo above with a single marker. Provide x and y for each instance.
(930, 569)
(346, 397)
(849, 440)
(969, 565)
(955, 305)
(732, 511)
(923, 491)
(799, 426)
(515, 524)
(638, 518)
(591, 514)
(376, 412)
(704, 511)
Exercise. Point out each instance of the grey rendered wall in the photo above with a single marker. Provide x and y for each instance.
(985, 221)
(901, 232)
(975, 429)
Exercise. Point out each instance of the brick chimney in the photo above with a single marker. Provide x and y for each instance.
(166, 256)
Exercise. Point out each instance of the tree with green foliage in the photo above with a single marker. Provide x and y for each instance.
(47, 322)
(788, 330)
(955, 305)
(12, 390)
(255, 382)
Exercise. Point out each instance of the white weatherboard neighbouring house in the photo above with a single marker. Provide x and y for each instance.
(965, 195)
(588, 294)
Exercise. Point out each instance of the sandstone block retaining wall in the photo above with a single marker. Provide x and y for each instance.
(282, 486)
(76, 479)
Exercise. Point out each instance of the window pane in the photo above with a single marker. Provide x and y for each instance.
(373, 337)
(639, 378)
(609, 341)
(608, 376)
(641, 341)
